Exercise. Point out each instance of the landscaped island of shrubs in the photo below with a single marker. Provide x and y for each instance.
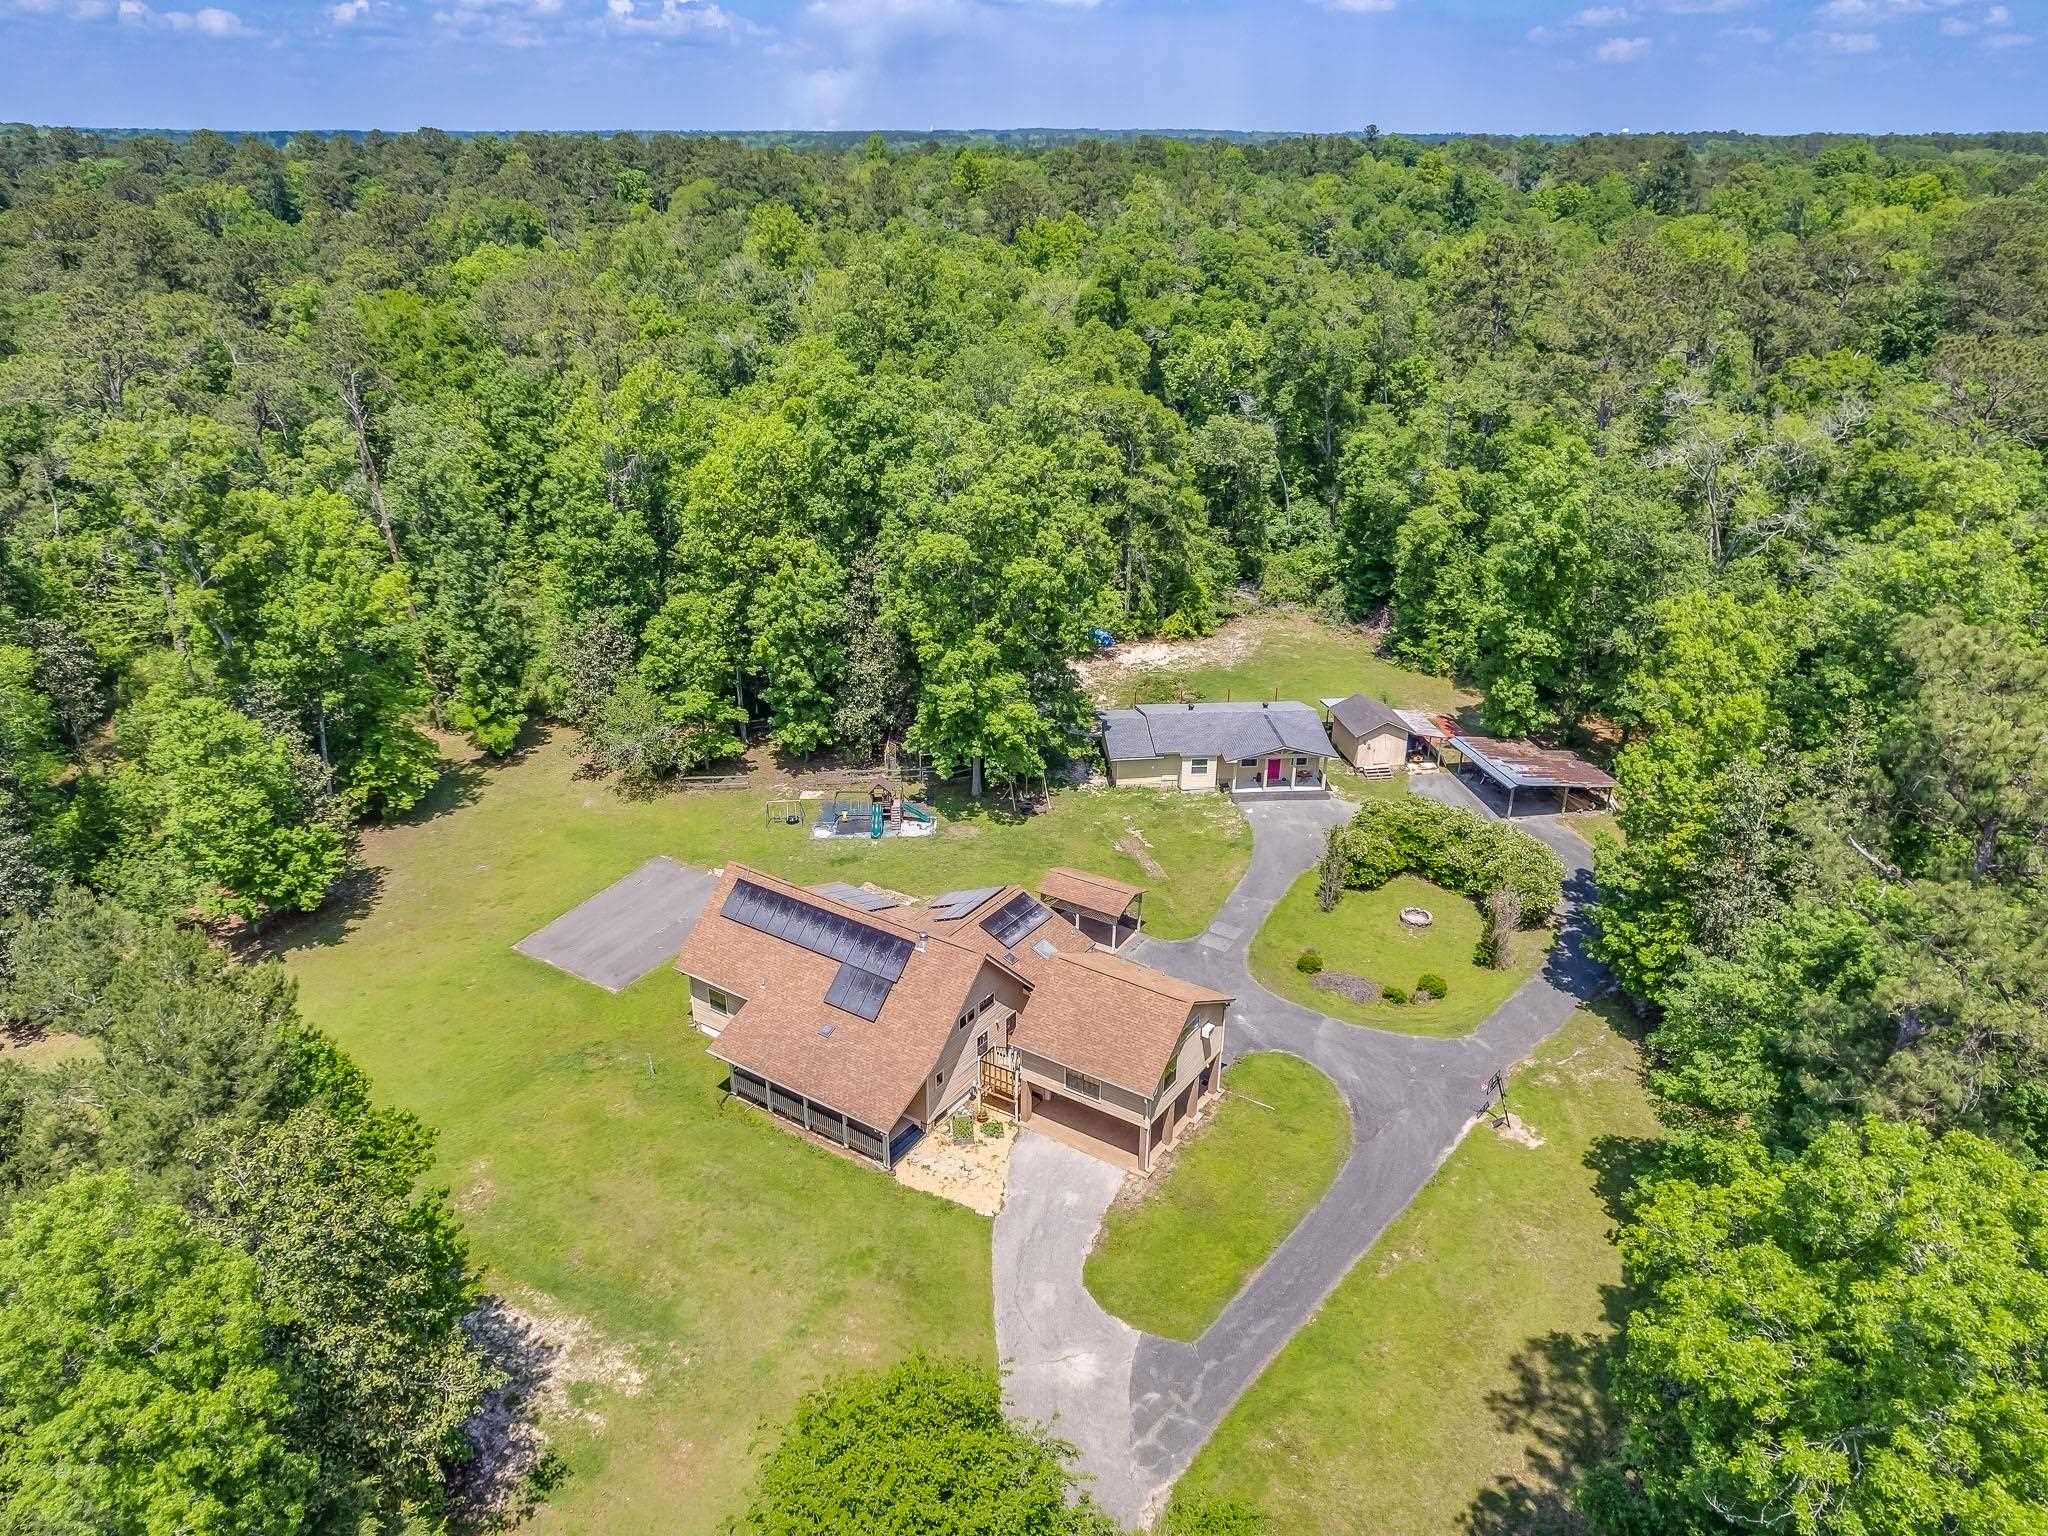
(1347, 940)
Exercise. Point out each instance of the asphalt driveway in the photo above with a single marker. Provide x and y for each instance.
(626, 929)
(1411, 1100)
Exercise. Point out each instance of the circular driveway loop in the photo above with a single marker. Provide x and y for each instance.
(1138, 1407)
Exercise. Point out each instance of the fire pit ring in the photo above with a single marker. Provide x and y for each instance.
(1417, 917)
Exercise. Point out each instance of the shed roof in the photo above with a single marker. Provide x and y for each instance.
(1214, 730)
(1428, 727)
(1524, 765)
(1095, 893)
(1364, 715)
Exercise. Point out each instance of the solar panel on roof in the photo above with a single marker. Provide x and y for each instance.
(1014, 919)
(854, 896)
(960, 903)
(1043, 948)
(859, 992)
(831, 934)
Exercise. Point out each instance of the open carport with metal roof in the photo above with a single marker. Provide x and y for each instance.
(1517, 767)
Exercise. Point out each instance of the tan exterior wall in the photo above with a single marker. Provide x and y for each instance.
(1170, 772)
(704, 1013)
(1195, 1052)
(957, 1068)
(1147, 772)
(1050, 1075)
(1380, 750)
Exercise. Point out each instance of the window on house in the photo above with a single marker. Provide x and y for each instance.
(1087, 1087)
(1172, 1070)
(938, 1078)
(981, 1044)
(1199, 764)
(985, 1004)
(720, 1003)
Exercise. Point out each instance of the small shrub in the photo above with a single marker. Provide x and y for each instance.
(1433, 985)
(993, 1129)
(1395, 995)
(1308, 962)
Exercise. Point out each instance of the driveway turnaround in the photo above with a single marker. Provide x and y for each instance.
(1411, 1099)
(626, 929)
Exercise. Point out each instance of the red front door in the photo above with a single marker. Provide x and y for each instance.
(1272, 770)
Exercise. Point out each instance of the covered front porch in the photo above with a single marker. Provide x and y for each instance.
(1275, 776)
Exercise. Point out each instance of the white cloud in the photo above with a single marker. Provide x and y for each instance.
(1757, 35)
(207, 21)
(1540, 34)
(668, 18)
(1622, 50)
(1846, 42)
(348, 11)
(2009, 40)
(1601, 16)
(1360, 7)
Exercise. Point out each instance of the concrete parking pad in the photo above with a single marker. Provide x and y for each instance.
(626, 929)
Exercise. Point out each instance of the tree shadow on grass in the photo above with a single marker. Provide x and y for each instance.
(349, 900)
(461, 784)
(1558, 1406)
(510, 1470)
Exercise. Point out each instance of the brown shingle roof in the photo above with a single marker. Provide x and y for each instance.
(869, 1068)
(1109, 1018)
(1097, 893)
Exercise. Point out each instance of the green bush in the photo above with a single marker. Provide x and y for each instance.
(1309, 963)
(993, 1129)
(1398, 996)
(1434, 985)
(1452, 848)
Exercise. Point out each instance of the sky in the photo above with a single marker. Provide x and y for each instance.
(1506, 66)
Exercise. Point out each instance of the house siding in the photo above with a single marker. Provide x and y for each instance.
(958, 1063)
(1382, 751)
(703, 1014)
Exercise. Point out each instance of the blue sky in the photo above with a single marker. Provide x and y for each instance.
(1308, 65)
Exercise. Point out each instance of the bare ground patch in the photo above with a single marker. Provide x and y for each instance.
(1133, 844)
(1360, 989)
(1101, 673)
(541, 1355)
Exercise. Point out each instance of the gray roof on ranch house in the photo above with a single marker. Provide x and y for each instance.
(1213, 730)
(1362, 714)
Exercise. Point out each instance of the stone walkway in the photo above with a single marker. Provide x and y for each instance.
(1138, 1425)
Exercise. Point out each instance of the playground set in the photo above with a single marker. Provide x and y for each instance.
(885, 813)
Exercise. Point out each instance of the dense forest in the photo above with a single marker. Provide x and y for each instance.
(1722, 456)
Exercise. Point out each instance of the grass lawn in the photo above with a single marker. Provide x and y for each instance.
(45, 1051)
(1366, 937)
(1451, 1382)
(1285, 655)
(1171, 1261)
(716, 1264)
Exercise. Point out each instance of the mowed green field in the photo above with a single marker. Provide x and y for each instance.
(1366, 937)
(703, 1265)
(1170, 1262)
(1451, 1382)
(1282, 655)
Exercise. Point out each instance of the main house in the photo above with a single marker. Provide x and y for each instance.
(1249, 749)
(866, 1022)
